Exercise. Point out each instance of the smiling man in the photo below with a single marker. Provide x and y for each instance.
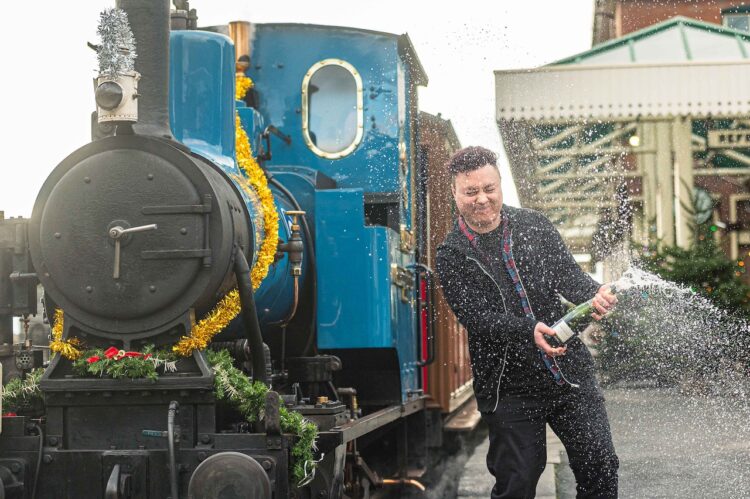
(502, 270)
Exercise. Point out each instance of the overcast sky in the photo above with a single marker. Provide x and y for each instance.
(46, 93)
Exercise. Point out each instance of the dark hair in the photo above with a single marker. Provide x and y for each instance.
(469, 159)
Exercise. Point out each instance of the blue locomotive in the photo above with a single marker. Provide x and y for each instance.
(242, 260)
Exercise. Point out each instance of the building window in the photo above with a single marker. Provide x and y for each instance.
(737, 21)
(332, 114)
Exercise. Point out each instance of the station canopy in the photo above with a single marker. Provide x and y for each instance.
(572, 119)
(678, 39)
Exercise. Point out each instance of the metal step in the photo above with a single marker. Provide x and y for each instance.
(464, 419)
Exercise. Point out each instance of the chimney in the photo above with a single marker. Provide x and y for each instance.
(604, 21)
(149, 21)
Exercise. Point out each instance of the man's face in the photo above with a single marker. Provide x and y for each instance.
(479, 198)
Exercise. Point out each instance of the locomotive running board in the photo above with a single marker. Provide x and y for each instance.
(352, 430)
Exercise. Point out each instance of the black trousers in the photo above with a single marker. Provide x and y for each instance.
(518, 446)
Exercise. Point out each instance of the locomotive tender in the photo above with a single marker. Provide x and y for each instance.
(139, 237)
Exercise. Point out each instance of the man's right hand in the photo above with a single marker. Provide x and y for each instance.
(540, 331)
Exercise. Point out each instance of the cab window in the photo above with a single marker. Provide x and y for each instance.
(332, 108)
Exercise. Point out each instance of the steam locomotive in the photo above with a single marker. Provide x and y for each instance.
(288, 226)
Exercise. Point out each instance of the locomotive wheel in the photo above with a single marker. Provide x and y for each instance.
(229, 475)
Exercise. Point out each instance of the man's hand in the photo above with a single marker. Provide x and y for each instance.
(604, 300)
(540, 331)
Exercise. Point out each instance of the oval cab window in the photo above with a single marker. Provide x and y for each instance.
(332, 118)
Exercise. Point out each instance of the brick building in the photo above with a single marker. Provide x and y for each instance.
(617, 18)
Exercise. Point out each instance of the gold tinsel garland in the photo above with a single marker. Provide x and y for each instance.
(242, 86)
(257, 179)
(70, 349)
(216, 320)
(229, 306)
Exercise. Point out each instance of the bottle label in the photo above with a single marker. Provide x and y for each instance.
(563, 331)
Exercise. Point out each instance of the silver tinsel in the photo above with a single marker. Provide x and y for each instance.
(116, 52)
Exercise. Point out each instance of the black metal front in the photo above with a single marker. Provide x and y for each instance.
(185, 220)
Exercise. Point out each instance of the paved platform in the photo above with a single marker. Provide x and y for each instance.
(477, 482)
(670, 444)
(674, 445)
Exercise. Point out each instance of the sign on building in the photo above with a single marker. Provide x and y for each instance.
(729, 139)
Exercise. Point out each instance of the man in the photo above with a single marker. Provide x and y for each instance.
(501, 269)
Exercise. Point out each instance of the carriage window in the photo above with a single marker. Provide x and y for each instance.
(332, 108)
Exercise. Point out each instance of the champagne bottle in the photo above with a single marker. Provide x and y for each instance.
(574, 322)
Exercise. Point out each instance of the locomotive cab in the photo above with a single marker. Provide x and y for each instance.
(347, 99)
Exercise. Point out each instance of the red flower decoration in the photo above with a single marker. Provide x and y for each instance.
(92, 359)
(110, 352)
(115, 354)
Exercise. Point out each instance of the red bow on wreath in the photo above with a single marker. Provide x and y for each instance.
(115, 354)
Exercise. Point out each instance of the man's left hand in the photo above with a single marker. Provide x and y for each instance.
(604, 301)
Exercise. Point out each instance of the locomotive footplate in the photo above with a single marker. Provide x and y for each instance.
(325, 415)
(329, 440)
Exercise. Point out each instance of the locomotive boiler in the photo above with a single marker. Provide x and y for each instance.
(231, 275)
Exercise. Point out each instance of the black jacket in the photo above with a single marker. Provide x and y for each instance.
(487, 304)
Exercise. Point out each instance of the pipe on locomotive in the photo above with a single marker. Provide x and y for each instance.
(250, 318)
(174, 409)
(309, 347)
(149, 21)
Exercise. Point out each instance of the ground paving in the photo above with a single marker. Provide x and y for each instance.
(674, 445)
(670, 445)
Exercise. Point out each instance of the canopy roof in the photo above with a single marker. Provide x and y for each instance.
(676, 68)
(624, 92)
(675, 40)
